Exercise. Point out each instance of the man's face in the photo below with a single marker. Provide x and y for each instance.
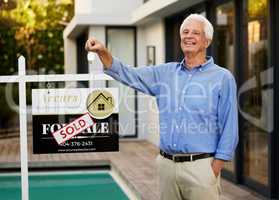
(193, 38)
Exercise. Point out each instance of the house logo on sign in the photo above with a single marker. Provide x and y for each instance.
(100, 104)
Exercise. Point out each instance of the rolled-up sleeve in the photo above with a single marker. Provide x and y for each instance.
(143, 79)
(227, 119)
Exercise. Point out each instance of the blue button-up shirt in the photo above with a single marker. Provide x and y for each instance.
(197, 107)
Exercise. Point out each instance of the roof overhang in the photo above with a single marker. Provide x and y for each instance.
(147, 12)
(157, 9)
(81, 22)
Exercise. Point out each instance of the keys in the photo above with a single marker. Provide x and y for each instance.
(91, 57)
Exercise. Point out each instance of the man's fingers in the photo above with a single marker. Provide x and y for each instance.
(89, 45)
(93, 45)
(92, 41)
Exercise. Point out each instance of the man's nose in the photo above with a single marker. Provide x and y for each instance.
(188, 36)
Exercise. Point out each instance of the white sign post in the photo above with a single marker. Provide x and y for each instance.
(22, 79)
(23, 130)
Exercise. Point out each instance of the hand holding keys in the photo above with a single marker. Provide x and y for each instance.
(94, 47)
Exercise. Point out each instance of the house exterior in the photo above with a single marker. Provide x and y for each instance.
(146, 32)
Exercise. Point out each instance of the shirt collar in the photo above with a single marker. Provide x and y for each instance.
(209, 61)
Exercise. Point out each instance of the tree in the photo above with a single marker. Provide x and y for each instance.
(37, 27)
(33, 29)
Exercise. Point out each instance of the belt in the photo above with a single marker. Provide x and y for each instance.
(186, 158)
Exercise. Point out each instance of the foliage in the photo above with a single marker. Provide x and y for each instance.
(8, 51)
(33, 29)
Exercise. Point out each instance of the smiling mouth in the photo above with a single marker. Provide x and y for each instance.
(189, 43)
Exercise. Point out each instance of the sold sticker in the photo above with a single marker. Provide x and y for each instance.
(73, 128)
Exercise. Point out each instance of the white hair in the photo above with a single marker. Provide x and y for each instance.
(208, 28)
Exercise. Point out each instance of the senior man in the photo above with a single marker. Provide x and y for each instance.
(198, 112)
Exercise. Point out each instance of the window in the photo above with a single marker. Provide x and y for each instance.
(121, 42)
(101, 106)
(256, 93)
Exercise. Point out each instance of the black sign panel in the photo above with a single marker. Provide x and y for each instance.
(101, 137)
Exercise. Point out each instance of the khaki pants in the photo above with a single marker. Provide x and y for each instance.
(187, 180)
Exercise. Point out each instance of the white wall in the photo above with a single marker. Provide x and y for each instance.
(151, 34)
(106, 6)
(70, 56)
(155, 35)
(121, 45)
(83, 7)
(118, 7)
(97, 66)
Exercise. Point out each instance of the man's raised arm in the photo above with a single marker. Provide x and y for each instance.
(143, 79)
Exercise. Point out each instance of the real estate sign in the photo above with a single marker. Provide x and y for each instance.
(75, 120)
